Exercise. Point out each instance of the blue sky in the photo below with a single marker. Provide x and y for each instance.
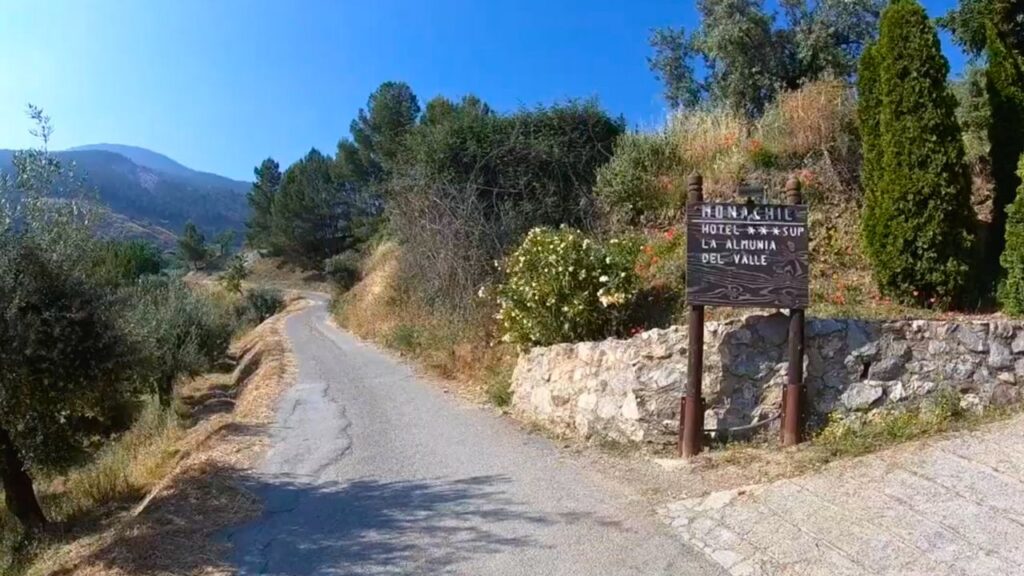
(220, 84)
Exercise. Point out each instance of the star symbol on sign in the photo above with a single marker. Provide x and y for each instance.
(776, 231)
(763, 230)
(750, 230)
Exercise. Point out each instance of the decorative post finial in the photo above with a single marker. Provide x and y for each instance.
(793, 194)
(695, 188)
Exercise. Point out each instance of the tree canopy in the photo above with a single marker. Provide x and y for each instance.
(970, 20)
(377, 132)
(314, 216)
(265, 187)
(749, 56)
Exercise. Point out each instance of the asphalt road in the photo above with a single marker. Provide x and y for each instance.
(374, 471)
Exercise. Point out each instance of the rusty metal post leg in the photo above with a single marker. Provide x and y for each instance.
(693, 418)
(792, 416)
(792, 421)
(691, 415)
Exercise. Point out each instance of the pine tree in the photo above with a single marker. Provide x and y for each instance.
(192, 245)
(261, 202)
(918, 220)
(379, 130)
(1011, 291)
(313, 214)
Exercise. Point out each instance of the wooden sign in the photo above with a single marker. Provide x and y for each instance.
(747, 255)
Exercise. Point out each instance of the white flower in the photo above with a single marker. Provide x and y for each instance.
(603, 278)
(610, 299)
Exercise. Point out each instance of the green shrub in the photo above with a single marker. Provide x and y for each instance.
(261, 303)
(117, 263)
(498, 381)
(233, 277)
(918, 218)
(472, 183)
(1011, 291)
(643, 179)
(405, 338)
(561, 286)
(343, 269)
(180, 330)
(856, 434)
(763, 158)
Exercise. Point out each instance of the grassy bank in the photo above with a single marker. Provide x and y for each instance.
(149, 499)
(463, 350)
(120, 473)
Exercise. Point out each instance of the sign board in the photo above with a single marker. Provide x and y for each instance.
(747, 255)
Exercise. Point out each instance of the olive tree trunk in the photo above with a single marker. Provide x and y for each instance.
(19, 492)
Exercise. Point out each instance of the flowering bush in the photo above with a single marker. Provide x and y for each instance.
(662, 261)
(561, 286)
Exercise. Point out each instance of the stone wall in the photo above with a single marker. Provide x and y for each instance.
(629, 390)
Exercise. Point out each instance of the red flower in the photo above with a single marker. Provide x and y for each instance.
(670, 233)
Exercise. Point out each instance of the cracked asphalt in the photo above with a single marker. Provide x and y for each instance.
(373, 471)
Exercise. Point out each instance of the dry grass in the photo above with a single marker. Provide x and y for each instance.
(125, 468)
(368, 309)
(713, 141)
(378, 309)
(275, 273)
(817, 117)
(196, 488)
(809, 131)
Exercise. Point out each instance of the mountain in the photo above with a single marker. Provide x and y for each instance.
(160, 163)
(151, 196)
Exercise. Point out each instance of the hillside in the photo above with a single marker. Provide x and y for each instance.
(151, 196)
(160, 163)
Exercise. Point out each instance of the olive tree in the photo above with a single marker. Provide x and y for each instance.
(65, 363)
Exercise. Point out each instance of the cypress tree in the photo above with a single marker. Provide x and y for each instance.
(918, 217)
(1011, 291)
(868, 116)
(1005, 87)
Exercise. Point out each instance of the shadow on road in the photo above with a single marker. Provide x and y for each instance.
(370, 527)
(294, 527)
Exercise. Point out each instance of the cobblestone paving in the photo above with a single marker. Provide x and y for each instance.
(948, 507)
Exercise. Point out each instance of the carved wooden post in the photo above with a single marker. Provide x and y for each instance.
(691, 410)
(792, 418)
